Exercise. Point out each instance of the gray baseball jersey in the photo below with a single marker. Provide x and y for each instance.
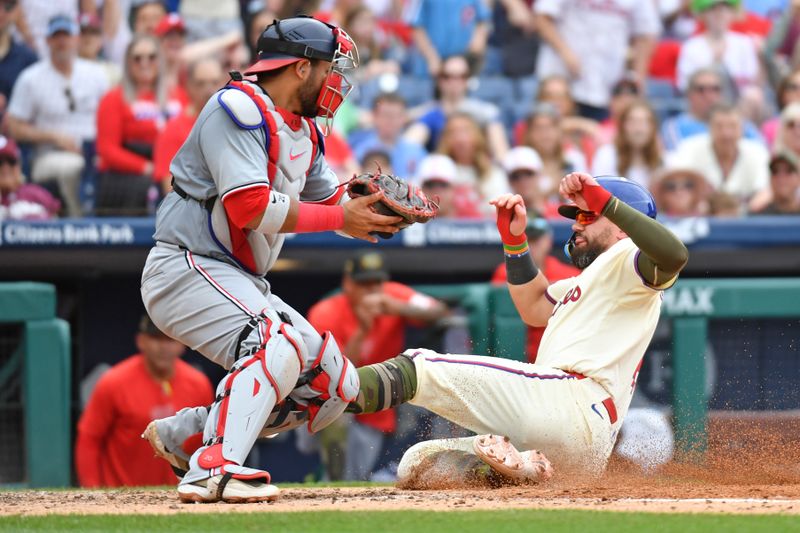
(236, 145)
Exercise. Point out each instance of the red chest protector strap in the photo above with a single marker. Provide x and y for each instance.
(271, 129)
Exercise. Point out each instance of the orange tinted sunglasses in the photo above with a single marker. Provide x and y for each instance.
(584, 218)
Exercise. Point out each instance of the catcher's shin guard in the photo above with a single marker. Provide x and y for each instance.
(245, 398)
(328, 387)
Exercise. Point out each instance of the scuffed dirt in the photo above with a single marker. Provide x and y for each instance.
(614, 493)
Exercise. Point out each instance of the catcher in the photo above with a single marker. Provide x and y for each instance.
(251, 170)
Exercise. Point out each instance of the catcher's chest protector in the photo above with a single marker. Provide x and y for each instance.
(292, 145)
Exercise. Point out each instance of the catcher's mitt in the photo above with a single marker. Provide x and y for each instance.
(400, 198)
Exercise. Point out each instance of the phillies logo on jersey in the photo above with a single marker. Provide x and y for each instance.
(573, 295)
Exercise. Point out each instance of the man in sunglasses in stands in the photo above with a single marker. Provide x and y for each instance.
(570, 404)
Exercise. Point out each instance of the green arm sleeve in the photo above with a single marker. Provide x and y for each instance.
(663, 254)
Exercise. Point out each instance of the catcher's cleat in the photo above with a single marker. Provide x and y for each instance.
(518, 467)
(179, 465)
(234, 491)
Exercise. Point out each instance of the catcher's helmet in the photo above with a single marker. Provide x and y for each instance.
(626, 190)
(290, 40)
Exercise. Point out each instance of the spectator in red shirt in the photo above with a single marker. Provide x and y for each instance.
(129, 119)
(368, 319)
(205, 77)
(151, 384)
(540, 242)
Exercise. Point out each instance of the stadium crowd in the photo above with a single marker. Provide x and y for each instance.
(699, 100)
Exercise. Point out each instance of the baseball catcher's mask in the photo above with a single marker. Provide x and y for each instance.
(285, 42)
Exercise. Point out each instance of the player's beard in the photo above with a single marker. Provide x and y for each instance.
(583, 256)
(308, 99)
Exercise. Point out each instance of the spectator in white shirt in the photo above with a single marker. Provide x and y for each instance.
(588, 41)
(731, 163)
(719, 47)
(636, 150)
(53, 106)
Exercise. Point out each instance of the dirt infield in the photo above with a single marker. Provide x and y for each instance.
(615, 492)
(752, 466)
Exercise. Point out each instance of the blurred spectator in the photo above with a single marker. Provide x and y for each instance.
(368, 319)
(258, 22)
(729, 162)
(718, 46)
(625, 92)
(437, 177)
(145, 16)
(210, 18)
(636, 151)
(724, 205)
(781, 53)
(588, 42)
(445, 28)
(788, 93)
(389, 117)
(540, 242)
(53, 106)
(680, 192)
(378, 53)
(788, 138)
(335, 11)
(129, 119)
(115, 25)
(34, 25)
(514, 42)
(451, 85)
(579, 131)
(171, 32)
(375, 160)
(153, 383)
(20, 200)
(90, 47)
(204, 78)
(465, 143)
(544, 135)
(702, 94)
(523, 166)
(14, 56)
(784, 184)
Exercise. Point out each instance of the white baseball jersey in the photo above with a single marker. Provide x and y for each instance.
(603, 321)
(571, 403)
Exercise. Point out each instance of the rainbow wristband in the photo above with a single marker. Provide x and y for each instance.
(515, 250)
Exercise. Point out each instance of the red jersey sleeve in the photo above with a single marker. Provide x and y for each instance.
(245, 204)
(93, 427)
(324, 316)
(111, 113)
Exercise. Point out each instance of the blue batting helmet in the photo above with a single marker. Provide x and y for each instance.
(626, 190)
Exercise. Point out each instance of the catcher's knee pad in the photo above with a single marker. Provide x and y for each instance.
(247, 395)
(328, 386)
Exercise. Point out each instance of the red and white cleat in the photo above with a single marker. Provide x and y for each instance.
(520, 467)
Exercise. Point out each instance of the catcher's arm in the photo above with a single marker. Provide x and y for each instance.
(354, 218)
(526, 284)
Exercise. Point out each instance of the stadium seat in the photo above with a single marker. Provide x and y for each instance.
(415, 90)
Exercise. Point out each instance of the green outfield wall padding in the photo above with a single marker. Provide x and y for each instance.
(46, 378)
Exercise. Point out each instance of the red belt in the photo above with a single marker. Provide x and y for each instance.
(608, 403)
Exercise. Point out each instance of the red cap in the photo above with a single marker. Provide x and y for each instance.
(170, 23)
(8, 148)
